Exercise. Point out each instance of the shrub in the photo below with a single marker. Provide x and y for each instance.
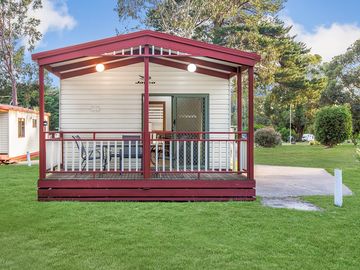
(267, 137)
(285, 134)
(333, 125)
(314, 143)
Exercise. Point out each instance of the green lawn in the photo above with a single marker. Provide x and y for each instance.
(72, 235)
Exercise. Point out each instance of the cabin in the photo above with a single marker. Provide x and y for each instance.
(146, 116)
(19, 133)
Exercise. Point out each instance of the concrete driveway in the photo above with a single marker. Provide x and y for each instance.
(281, 181)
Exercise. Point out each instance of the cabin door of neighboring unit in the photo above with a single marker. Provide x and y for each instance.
(190, 114)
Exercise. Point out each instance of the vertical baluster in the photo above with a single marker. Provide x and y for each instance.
(153, 49)
(108, 156)
(122, 155)
(87, 156)
(213, 155)
(52, 155)
(177, 155)
(184, 156)
(73, 156)
(170, 156)
(80, 155)
(59, 156)
(220, 157)
(101, 155)
(115, 155)
(131, 51)
(94, 155)
(122, 51)
(199, 156)
(163, 156)
(227, 156)
(234, 147)
(192, 155)
(169, 51)
(161, 51)
(129, 155)
(156, 155)
(206, 156)
(65, 156)
(136, 156)
(140, 52)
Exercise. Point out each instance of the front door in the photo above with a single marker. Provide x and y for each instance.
(190, 115)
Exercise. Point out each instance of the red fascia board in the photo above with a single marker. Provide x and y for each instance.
(142, 38)
(4, 107)
(184, 67)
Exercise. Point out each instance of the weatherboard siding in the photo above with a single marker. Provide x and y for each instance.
(112, 101)
(4, 132)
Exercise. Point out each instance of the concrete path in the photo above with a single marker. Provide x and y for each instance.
(281, 181)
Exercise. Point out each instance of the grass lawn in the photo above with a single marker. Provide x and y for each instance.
(245, 235)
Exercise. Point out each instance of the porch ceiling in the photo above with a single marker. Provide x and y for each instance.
(162, 49)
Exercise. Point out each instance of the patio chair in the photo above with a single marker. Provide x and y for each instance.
(132, 154)
(89, 155)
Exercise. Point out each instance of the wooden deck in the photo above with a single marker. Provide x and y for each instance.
(132, 187)
(139, 176)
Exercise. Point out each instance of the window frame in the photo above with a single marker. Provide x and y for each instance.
(21, 127)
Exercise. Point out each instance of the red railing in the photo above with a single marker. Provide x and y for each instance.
(122, 152)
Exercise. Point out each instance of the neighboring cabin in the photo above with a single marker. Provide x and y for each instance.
(19, 132)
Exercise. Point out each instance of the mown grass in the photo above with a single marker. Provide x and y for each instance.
(245, 235)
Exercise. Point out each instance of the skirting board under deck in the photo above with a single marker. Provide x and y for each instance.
(146, 190)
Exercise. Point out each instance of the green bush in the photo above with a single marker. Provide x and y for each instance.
(333, 125)
(267, 137)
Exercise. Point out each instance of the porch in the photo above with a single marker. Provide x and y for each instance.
(164, 135)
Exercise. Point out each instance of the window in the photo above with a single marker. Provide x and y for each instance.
(21, 127)
(34, 123)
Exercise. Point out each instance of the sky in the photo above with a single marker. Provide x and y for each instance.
(328, 27)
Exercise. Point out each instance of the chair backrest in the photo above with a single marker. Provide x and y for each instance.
(80, 146)
(130, 141)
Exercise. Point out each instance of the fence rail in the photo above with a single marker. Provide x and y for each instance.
(122, 152)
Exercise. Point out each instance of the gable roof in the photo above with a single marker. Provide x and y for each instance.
(146, 37)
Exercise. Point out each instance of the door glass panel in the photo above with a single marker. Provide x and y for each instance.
(190, 116)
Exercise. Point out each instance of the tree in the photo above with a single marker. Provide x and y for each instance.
(16, 28)
(333, 125)
(343, 85)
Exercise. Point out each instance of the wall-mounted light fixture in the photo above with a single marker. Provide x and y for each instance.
(100, 67)
(191, 67)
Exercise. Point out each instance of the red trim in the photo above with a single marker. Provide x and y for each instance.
(142, 38)
(184, 67)
(146, 138)
(82, 64)
(251, 124)
(207, 63)
(146, 183)
(112, 65)
(239, 114)
(42, 161)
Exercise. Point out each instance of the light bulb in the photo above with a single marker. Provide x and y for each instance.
(191, 67)
(100, 67)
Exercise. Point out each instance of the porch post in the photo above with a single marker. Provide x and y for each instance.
(146, 134)
(250, 164)
(239, 116)
(42, 150)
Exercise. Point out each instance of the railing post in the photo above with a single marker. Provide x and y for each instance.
(42, 143)
(250, 140)
(146, 134)
(239, 118)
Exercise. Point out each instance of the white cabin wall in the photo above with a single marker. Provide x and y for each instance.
(4, 132)
(19, 146)
(112, 101)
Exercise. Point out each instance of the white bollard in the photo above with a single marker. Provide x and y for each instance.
(28, 158)
(338, 194)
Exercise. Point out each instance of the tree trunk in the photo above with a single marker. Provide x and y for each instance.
(14, 100)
